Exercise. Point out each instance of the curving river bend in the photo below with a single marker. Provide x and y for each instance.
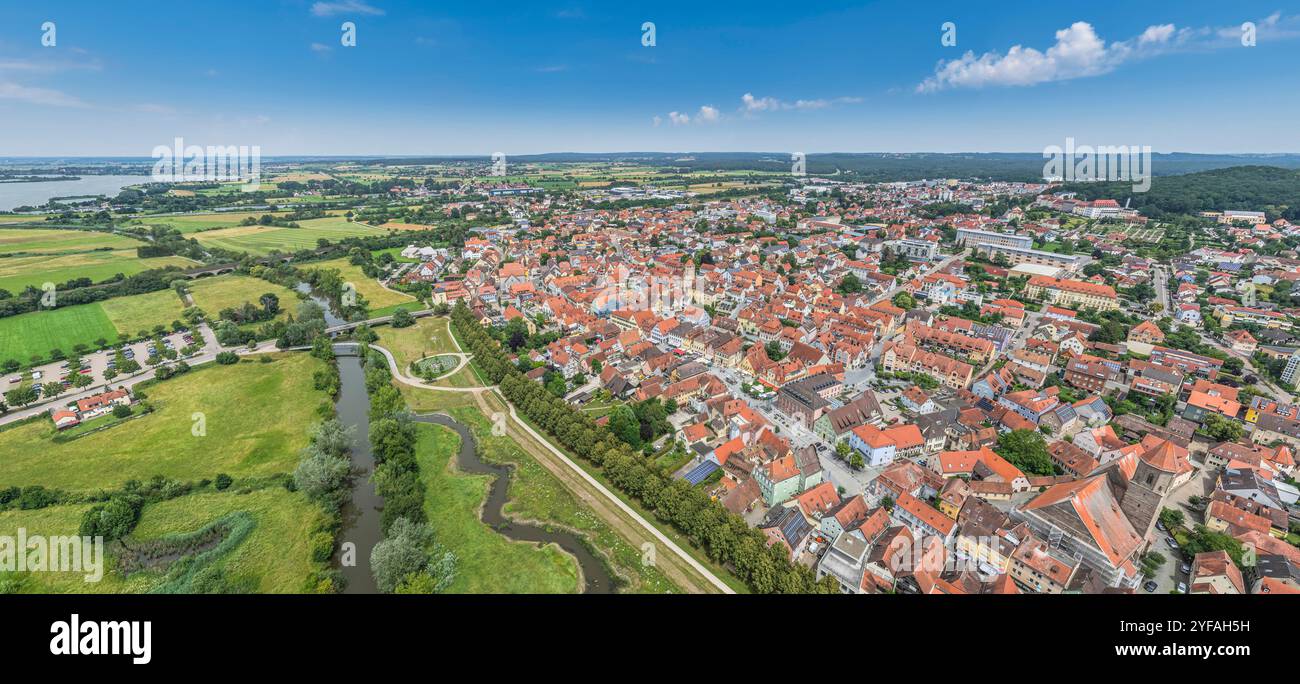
(361, 516)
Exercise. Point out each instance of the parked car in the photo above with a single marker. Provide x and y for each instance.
(1182, 587)
(1187, 569)
(1173, 543)
(1150, 586)
(1160, 525)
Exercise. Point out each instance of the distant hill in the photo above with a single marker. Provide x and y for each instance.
(877, 166)
(857, 166)
(1273, 190)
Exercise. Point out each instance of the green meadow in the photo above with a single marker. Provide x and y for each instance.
(274, 558)
(17, 272)
(261, 240)
(49, 241)
(36, 333)
(256, 416)
(230, 291)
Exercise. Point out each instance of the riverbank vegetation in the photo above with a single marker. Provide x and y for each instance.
(725, 537)
(409, 559)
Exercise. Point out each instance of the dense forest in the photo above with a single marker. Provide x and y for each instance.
(1270, 189)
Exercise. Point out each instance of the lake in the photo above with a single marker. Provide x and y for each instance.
(35, 194)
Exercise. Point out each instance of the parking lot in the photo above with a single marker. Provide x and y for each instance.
(94, 364)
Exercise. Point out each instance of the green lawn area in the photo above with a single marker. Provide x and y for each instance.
(427, 337)
(397, 255)
(257, 416)
(51, 241)
(489, 563)
(139, 312)
(258, 240)
(231, 291)
(36, 333)
(276, 556)
(368, 287)
(17, 272)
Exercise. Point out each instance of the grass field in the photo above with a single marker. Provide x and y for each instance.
(488, 561)
(36, 333)
(259, 240)
(47, 241)
(256, 417)
(430, 335)
(232, 290)
(275, 558)
(17, 272)
(192, 223)
(367, 287)
(139, 312)
(535, 494)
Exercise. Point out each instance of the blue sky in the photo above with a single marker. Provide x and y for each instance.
(479, 77)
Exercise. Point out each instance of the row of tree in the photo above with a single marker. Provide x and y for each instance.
(409, 559)
(725, 537)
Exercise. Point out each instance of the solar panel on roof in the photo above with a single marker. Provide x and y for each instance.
(700, 472)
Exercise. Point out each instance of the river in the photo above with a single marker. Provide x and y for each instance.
(331, 319)
(361, 515)
(596, 577)
(36, 194)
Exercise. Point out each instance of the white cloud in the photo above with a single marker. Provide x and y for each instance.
(707, 114)
(320, 48)
(329, 9)
(1079, 53)
(679, 119)
(752, 105)
(1156, 34)
(38, 96)
(657, 120)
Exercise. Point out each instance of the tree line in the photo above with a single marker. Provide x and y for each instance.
(725, 537)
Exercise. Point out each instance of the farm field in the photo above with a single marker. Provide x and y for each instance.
(139, 312)
(367, 287)
(256, 415)
(230, 291)
(262, 240)
(48, 241)
(36, 333)
(17, 272)
(192, 223)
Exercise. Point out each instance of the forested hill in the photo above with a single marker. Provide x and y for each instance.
(1270, 189)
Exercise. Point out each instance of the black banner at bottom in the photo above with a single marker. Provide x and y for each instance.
(341, 633)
